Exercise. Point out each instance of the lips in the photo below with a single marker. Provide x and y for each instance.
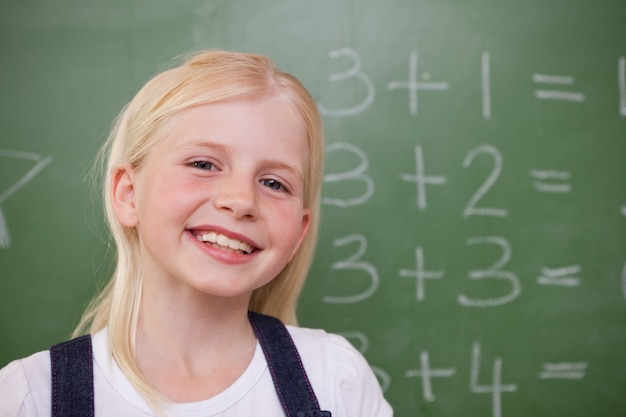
(223, 242)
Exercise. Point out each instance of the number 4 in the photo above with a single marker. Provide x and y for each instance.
(496, 388)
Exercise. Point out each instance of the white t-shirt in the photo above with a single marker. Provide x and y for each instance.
(341, 378)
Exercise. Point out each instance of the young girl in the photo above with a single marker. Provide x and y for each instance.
(212, 193)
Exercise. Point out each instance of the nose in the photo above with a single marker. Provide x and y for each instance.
(237, 196)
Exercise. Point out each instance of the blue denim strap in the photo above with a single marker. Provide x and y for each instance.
(72, 378)
(290, 380)
(72, 373)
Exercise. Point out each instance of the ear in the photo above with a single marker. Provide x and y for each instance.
(306, 222)
(123, 196)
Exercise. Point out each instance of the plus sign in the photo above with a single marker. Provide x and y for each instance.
(426, 374)
(412, 85)
(420, 274)
(420, 179)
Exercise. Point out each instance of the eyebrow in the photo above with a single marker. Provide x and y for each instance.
(284, 166)
(205, 144)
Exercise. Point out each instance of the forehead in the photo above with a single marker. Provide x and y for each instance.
(269, 123)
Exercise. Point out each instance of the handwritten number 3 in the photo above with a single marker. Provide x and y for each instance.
(354, 262)
(352, 72)
(493, 272)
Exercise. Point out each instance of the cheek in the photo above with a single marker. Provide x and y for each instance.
(166, 199)
(292, 234)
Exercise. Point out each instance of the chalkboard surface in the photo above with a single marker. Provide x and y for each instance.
(473, 240)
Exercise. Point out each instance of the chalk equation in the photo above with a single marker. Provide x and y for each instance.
(544, 180)
(40, 162)
(490, 383)
(555, 87)
(566, 276)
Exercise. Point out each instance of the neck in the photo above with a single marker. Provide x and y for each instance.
(189, 320)
(187, 341)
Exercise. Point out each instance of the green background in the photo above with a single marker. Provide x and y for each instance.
(67, 67)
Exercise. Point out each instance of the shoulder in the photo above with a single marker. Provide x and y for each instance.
(25, 386)
(316, 345)
(341, 377)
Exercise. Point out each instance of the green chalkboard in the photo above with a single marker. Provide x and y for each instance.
(473, 239)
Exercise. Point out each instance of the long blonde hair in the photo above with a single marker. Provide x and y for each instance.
(205, 77)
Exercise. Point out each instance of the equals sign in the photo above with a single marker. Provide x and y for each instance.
(541, 178)
(563, 370)
(556, 94)
(560, 276)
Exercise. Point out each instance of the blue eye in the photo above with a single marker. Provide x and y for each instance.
(273, 184)
(204, 165)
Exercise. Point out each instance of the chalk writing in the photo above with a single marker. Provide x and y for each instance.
(412, 85)
(354, 262)
(470, 208)
(563, 277)
(40, 163)
(493, 272)
(486, 85)
(496, 388)
(551, 187)
(545, 180)
(420, 274)
(383, 377)
(356, 174)
(420, 179)
(426, 374)
(563, 370)
(556, 94)
(621, 82)
(352, 72)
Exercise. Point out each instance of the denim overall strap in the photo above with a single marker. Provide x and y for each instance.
(290, 380)
(72, 378)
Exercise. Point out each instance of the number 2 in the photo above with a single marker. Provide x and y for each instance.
(470, 208)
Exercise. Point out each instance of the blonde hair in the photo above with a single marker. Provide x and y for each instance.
(205, 77)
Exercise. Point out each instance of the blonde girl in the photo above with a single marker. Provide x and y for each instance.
(212, 193)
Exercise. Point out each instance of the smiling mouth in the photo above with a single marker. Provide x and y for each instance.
(225, 243)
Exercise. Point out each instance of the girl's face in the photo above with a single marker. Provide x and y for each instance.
(218, 203)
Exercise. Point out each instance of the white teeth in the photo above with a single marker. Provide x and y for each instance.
(224, 242)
